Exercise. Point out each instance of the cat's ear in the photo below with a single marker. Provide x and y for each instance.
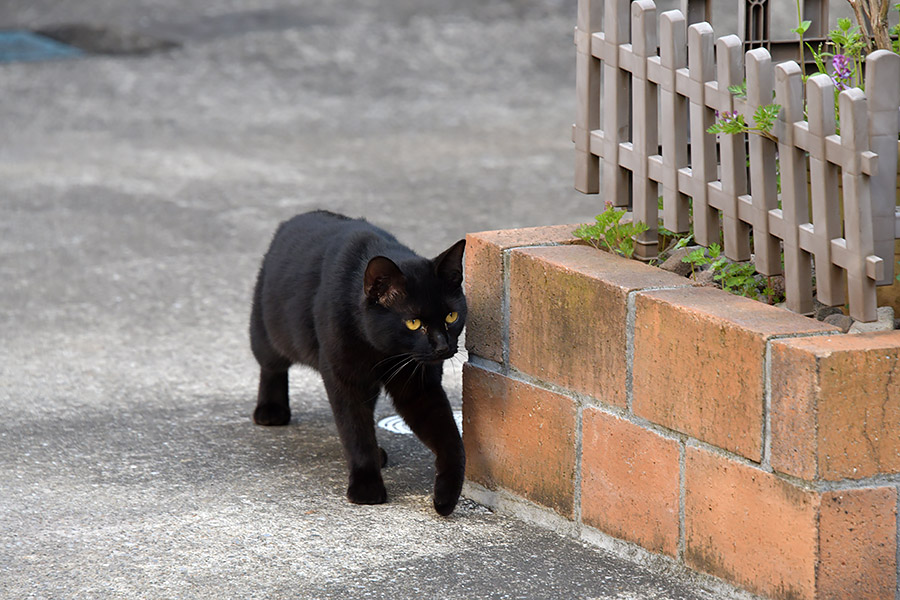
(448, 265)
(384, 282)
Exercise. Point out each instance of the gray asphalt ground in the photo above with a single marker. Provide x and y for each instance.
(137, 195)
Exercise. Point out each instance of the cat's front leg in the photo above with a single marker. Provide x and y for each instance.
(353, 406)
(427, 412)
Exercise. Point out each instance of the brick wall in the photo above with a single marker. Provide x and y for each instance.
(742, 440)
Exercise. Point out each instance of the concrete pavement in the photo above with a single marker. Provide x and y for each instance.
(137, 194)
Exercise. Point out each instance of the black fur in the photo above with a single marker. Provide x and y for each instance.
(335, 293)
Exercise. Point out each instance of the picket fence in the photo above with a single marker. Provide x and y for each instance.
(647, 93)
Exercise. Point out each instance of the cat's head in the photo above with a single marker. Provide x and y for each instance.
(417, 307)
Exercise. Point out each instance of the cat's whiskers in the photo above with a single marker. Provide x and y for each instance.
(398, 369)
(390, 358)
(393, 369)
(420, 366)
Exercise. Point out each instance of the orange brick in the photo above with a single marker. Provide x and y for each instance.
(484, 281)
(519, 437)
(836, 406)
(749, 527)
(858, 544)
(630, 482)
(699, 357)
(792, 414)
(567, 316)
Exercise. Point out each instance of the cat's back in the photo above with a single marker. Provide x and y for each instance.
(311, 272)
(319, 251)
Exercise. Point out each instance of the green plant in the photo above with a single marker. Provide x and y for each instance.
(733, 123)
(701, 257)
(738, 278)
(611, 233)
(844, 64)
(800, 29)
(847, 41)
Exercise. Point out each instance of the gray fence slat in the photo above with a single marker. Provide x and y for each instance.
(616, 95)
(826, 216)
(701, 66)
(883, 93)
(674, 109)
(763, 187)
(794, 204)
(645, 119)
(857, 206)
(732, 153)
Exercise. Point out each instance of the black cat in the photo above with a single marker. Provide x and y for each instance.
(349, 300)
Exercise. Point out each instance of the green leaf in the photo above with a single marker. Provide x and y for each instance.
(765, 116)
(683, 242)
(804, 25)
(696, 257)
(739, 90)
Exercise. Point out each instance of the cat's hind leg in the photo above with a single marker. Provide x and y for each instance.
(272, 404)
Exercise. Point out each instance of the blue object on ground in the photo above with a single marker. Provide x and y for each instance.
(21, 45)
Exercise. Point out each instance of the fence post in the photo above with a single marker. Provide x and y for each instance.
(729, 54)
(701, 66)
(763, 186)
(645, 134)
(826, 216)
(616, 92)
(883, 93)
(794, 205)
(587, 97)
(673, 107)
(858, 224)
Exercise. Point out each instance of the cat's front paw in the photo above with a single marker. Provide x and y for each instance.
(272, 414)
(447, 488)
(367, 488)
(445, 503)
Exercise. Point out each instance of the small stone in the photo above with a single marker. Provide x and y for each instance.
(823, 310)
(839, 320)
(883, 322)
(706, 278)
(674, 264)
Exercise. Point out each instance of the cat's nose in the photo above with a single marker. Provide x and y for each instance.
(440, 345)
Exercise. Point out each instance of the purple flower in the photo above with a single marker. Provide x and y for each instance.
(841, 66)
(729, 116)
(840, 85)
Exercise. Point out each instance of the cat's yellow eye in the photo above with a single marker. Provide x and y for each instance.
(413, 324)
(452, 317)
